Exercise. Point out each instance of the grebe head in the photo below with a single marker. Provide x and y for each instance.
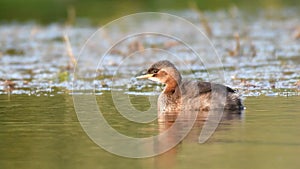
(164, 72)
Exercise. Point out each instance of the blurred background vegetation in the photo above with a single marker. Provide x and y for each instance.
(102, 11)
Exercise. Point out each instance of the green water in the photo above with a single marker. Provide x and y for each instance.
(43, 132)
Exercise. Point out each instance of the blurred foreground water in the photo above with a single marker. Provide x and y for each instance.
(43, 132)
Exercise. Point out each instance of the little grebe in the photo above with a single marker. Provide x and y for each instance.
(181, 94)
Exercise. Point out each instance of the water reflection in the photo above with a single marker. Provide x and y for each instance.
(169, 158)
(38, 132)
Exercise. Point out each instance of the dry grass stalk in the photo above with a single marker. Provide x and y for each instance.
(136, 46)
(170, 44)
(117, 52)
(245, 83)
(203, 19)
(253, 49)
(71, 15)
(72, 61)
(296, 34)
(298, 84)
(237, 48)
(9, 86)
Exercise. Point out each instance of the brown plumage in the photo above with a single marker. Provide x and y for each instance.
(179, 95)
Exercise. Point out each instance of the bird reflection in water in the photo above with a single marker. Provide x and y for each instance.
(169, 158)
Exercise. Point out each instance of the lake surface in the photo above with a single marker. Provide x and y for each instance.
(43, 132)
(259, 55)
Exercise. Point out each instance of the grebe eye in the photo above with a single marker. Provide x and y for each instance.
(155, 70)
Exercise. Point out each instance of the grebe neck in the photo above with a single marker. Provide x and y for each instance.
(172, 87)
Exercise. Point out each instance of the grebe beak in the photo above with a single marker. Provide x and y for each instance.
(146, 76)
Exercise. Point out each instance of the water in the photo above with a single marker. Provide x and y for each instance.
(35, 58)
(46, 134)
(39, 127)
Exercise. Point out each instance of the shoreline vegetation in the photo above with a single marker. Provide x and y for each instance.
(101, 12)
